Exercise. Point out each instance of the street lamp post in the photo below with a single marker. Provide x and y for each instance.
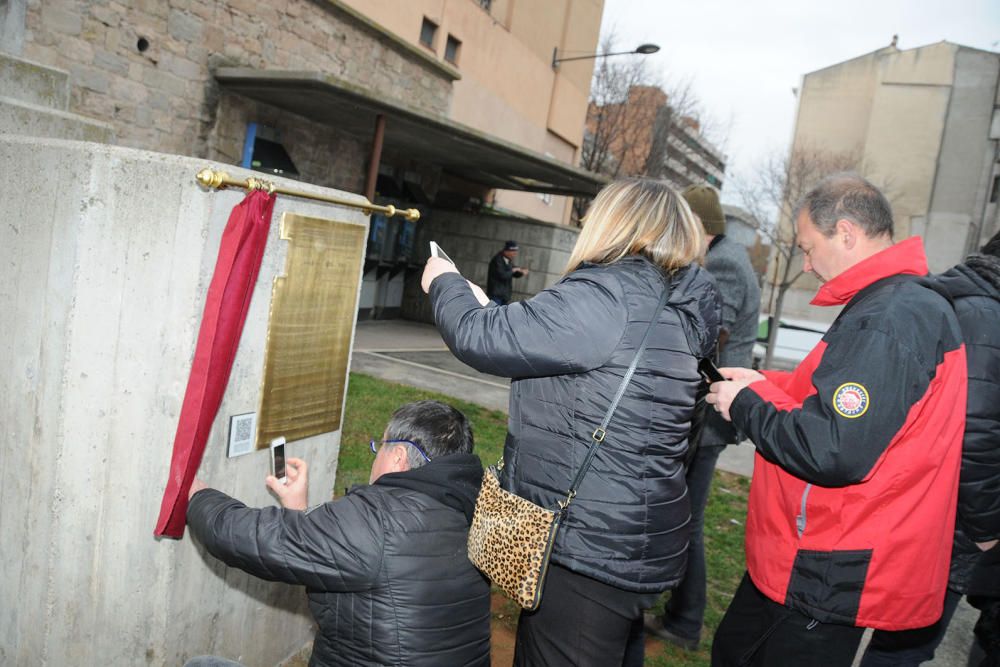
(642, 49)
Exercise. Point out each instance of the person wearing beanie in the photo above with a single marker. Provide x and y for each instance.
(729, 264)
(500, 278)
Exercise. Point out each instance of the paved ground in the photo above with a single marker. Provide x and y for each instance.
(413, 354)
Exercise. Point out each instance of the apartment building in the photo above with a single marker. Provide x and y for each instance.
(924, 124)
(644, 134)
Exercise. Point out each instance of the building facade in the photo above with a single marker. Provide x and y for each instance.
(503, 50)
(644, 134)
(439, 104)
(924, 125)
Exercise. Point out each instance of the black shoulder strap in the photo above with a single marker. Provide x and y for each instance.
(601, 431)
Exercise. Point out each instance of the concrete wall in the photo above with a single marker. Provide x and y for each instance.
(472, 240)
(106, 254)
(834, 105)
(906, 126)
(12, 25)
(962, 182)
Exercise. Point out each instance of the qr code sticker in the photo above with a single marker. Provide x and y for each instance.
(243, 429)
(241, 433)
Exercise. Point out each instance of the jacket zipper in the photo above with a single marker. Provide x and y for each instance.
(800, 520)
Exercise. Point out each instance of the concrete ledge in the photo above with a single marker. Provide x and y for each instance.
(34, 83)
(32, 120)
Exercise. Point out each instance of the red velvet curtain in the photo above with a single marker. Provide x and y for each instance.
(226, 305)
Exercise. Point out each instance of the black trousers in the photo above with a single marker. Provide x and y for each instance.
(759, 631)
(580, 621)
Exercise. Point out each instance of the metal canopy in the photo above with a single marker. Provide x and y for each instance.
(424, 137)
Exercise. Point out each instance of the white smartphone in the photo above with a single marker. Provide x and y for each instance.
(278, 459)
(437, 252)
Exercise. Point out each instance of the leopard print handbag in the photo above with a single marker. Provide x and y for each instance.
(511, 539)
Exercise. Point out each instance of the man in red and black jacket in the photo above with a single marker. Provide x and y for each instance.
(852, 503)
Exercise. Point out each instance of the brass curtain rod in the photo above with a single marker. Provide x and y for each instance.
(220, 180)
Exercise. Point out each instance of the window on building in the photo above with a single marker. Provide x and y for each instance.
(995, 190)
(263, 151)
(451, 49)
(428, 30)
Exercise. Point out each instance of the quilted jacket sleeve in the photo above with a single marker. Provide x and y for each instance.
(979, 488)
(732, 286)
(571, 327)
(334, 547)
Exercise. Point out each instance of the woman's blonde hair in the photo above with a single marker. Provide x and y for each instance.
(639, 216)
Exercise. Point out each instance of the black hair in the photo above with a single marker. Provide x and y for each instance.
(847, 196)
(438, 428)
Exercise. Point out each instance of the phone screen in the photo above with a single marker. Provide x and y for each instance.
(278, 460)
(709, 371)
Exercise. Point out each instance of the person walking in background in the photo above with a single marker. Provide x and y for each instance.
(500, 278)
(729, 264)
(385, 567)
(974, 288)
(853, 496)
(624, 539)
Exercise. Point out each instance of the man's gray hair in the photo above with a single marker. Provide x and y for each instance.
(847, 196)
(438, 428)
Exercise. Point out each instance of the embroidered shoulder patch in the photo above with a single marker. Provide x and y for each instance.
(850, 400)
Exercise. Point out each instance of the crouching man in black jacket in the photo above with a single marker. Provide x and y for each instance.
(385, 567)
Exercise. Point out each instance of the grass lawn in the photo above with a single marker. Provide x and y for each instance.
(370, 402)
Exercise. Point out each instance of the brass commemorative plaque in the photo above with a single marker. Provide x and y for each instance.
(313, 308)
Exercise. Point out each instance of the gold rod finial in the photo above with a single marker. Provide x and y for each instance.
(212, 179)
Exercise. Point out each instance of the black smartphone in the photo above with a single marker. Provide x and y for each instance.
(709, 371)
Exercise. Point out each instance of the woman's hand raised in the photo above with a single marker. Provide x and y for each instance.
(434, 268)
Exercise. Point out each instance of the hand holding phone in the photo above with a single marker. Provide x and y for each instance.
(293, 493)
(278, 459)
(434, 269)
(436, 251)
(709, 371)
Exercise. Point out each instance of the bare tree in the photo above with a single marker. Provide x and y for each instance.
(621, 111)
(778, 183)
(629, 118)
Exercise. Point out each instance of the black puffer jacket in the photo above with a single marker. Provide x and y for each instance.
(385, 567)
(567, 349)
(975, 289)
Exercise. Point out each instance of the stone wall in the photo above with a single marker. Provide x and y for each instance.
(322, 154)
(163, 98)
(472, 240)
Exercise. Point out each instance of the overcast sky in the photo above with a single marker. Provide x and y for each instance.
(745, 57)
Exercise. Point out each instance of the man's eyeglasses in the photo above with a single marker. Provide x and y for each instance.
(417, 447)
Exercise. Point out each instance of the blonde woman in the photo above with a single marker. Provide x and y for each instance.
(624, 539)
